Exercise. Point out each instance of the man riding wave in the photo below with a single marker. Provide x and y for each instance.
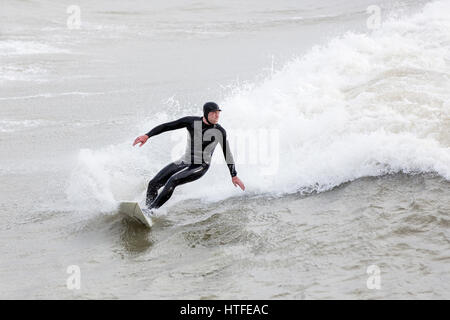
(204, 133)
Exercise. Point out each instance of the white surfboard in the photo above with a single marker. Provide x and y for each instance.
(133, 210)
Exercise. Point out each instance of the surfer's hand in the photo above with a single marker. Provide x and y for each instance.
(141, 139)
(237, 182)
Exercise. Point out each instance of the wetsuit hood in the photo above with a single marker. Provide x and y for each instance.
(207, 108)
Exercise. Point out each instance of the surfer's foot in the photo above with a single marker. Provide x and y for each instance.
(148, 212)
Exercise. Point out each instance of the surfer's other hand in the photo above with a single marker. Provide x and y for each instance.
(141, 139)
(237, 182)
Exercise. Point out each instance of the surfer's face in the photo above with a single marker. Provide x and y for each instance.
(213, 117)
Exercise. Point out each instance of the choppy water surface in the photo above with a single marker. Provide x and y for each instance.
(356, 172)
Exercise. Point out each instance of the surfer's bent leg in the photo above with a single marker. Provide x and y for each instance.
(189, 174)
(161, 178)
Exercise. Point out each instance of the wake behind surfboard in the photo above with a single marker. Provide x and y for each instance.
(134, 211)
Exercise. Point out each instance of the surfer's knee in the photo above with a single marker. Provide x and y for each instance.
(154, 185)
(171, 183)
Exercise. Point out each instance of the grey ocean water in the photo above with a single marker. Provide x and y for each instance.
(357, 177)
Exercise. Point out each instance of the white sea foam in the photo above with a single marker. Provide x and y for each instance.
(19, 125)
(27, 47)
(19, 73)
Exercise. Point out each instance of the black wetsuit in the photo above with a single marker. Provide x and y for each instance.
(202, 140)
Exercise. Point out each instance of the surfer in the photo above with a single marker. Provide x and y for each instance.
(204, 133)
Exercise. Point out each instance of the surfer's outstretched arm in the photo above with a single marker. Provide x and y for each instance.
(168, 126)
